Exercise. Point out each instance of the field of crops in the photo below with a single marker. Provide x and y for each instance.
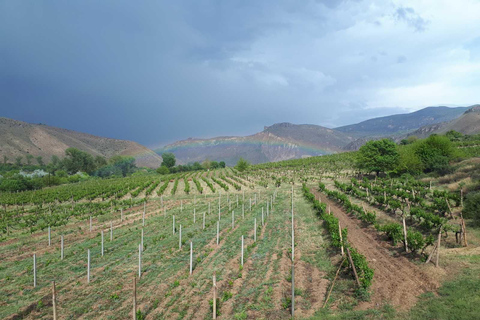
(353, 244)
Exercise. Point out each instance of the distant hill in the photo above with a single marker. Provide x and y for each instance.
(467, 123)
(278, 142)
(284, 141)
(18, 138)
(402, 123)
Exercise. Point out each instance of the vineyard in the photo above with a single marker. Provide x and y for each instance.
(308, 238)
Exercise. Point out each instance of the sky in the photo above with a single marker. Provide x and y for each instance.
(160, 71)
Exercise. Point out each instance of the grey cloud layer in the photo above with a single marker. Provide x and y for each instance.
(159, 71)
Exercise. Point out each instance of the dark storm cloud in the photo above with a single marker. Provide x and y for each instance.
(158, 71)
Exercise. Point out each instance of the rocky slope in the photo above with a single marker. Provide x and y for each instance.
(18, 138)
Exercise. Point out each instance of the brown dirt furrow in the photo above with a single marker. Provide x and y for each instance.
(396, 280)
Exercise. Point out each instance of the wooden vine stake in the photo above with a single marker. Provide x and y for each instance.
(88, 266)
(353, 267)
(341, 238)
(293, 290)
(214, 296)
(438, 246)
(191, 257)
(404, 231)
(134, 298)
(34, 270)
(54, 301)
(333, 283)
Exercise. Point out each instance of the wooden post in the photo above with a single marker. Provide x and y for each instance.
(141, 241)
(180, 238)
(191, 257)
(431, 253)
(88, 266)
(173, 224)
(204, 221)
(143, 215)
(102, 243)
(461, 197)
(139, 261)
(438, 246)
(61, 248)
(134, 298)
(242, 251)
(293, 290)
(111, 231)
(54, 301)
(293, 232)
(353, 267)
(233, 219)
(34, 270)
(218, 231)
(341, 238)
(49, 237)
(214, 296)
(404, 232)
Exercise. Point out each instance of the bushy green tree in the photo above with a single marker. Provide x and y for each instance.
(408, 162)
(378, 156)
(168, 159)
(40, 161)
(78, 160)
(435, 152)
(221, 164)
(242, 165)
(163, 170)
(18, 160)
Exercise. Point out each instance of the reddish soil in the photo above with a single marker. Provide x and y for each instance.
(397, 280)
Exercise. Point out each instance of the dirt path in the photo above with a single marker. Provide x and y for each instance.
(397, 280)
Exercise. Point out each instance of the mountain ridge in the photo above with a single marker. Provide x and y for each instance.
(284, 140)
(19, 138)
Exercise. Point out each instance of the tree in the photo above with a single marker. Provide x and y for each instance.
(409, 162)
(453, 135)
(214, 165)
(29, 159)
(378, 156)
(100, 162)
(18, 160)
(163, 170)
(207, 164)
(196, 166)
(40, 161)
(126, 164)
(221, 164)
(242, 165)
(55, 161)
(5, 159)
(78, 160)
(435, 152)
(168, 159)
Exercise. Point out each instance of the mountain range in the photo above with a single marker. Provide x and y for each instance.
(18, 138)
(280, 141)
(283, 141)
